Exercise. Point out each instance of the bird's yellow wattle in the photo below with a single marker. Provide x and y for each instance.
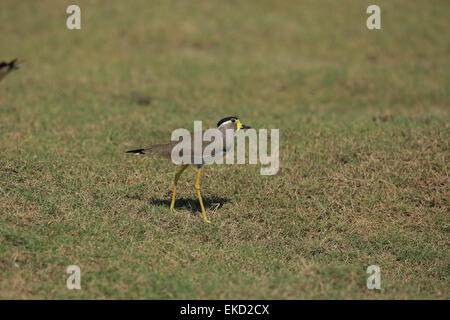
(239, 125)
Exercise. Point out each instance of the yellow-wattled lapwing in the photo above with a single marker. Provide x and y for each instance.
(165, 150)
(7, 67)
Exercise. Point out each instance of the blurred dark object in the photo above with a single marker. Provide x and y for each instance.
(7, 67)
(142, 99)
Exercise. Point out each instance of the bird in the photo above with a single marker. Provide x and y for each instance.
(7, 67)
(164, 150)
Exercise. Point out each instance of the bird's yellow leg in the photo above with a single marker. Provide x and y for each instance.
(197, 187)
(177, 176)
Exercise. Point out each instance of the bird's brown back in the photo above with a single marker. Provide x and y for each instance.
(165, 149)
(162, 149)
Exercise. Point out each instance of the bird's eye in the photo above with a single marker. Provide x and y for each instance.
(233, 120)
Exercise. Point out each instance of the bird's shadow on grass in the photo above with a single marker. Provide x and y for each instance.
(191, 204)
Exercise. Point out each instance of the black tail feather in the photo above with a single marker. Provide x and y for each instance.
(11, 65)
(137, 151)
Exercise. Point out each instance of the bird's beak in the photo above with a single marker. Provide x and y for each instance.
(246, 127)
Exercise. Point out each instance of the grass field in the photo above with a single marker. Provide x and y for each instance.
(364, 149)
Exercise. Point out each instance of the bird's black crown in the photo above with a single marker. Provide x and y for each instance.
(226, 119)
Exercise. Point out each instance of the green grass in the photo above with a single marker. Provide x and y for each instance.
(364, 150)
